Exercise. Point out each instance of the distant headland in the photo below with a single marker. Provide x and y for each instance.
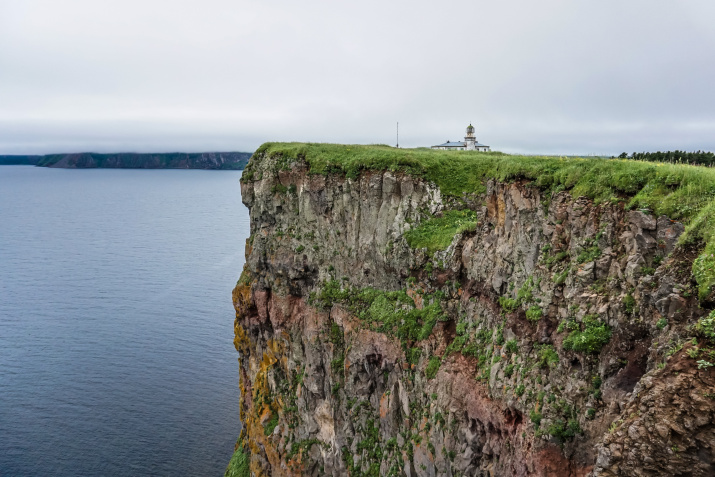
(169, 160)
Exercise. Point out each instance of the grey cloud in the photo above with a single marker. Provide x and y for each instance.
(550, 76)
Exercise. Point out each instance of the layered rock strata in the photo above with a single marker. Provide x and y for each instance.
(554, 338)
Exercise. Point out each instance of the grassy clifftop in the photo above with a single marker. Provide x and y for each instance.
(682, 192)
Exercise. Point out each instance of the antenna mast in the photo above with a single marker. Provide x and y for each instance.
(398, 134)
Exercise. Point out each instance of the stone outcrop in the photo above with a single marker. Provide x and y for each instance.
(554, 339)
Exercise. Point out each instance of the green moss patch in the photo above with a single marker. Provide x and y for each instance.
(432, 367)
(270, 424)
(393, 313)
(438, 233)
(534, 313)
(589, 339)
(238, 466)
(705, 327)
(546, 356)
(564, 431)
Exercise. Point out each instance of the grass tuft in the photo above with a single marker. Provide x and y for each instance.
(591, 339)
(433, 367)
(534, 313)
(239, 464)
(705, 327)
(438, 233)
(270, 424)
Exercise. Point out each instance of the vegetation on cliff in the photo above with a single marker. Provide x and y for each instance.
(239, 464)
(682, 192)
(704, 158)
(553, 334)
(393, 313)
(438, 233)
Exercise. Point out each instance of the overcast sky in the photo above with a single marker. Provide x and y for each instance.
(547, 76)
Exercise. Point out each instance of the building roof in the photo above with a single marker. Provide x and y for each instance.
(459, 144)
(451, 144)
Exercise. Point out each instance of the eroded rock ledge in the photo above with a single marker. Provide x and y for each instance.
(553, 339)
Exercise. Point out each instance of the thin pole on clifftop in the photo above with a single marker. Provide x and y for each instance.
(398, 134)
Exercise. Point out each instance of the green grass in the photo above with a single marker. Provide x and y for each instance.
(546, 356)
(336, 334)
(338, 364)
(433, 367)
(560, 278)
(591, 339)
(438, 233)
(271, 424)
(589, 254)
(705, 327)
(629, 303)
(556, 258)
(682, 192)
(508, 304)
(393, 313)
(279, 189)
(534, 313)
(564, 431)
(301, 447)
(523, 296)
(239, 464)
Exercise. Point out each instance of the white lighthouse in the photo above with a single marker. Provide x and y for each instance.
(469, 139)
(470, 143)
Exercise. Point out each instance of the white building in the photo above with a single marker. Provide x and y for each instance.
(470, 143)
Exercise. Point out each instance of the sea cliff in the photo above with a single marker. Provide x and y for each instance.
(416, 313)
(171, 160)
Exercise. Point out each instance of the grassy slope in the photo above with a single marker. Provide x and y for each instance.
(682, 192)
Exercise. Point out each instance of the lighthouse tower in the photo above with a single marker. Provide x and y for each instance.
(469, 139)
(469, 144)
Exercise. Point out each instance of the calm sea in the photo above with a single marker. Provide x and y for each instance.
(116, 323)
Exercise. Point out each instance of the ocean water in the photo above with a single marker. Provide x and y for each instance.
(116, 323)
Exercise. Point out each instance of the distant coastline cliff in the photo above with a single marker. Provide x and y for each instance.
(171, 160)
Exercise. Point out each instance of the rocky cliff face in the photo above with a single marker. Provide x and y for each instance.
(553, 337)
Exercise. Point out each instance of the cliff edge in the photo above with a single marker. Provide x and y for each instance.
(421, 313)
